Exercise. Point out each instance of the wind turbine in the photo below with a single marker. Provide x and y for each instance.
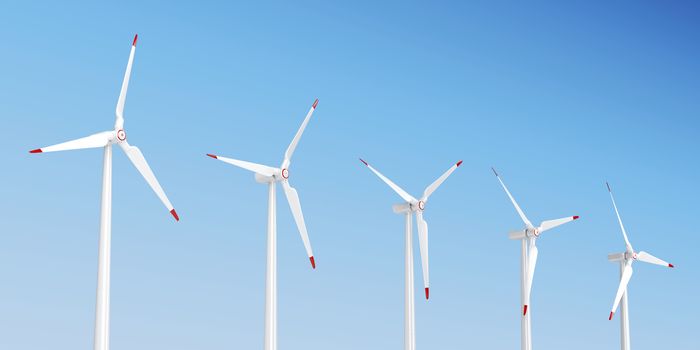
(105, 140)
(413, 205)
(626, 259)
(271, 176)
(528, 260)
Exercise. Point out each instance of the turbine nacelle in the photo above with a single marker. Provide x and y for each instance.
(277, 176)
(526, 233)
(408, 207)
(116, 136)
(533, 232)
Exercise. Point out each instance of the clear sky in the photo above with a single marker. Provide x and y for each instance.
(559, 98)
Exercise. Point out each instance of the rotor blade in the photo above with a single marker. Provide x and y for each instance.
(256, 168)
(295, 140)
(531, 263)
(550, 224)
(624, 280)
(407, 197)
(92, 141)
(648, 258)
(423, 242)
(141, 165)
(295, 206)
(119, 124)
(515, 204)
(619, 219)
(430, 189)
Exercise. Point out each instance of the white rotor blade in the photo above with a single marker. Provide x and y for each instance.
(295, 140)
(624, 280)
(119, 124)
(430, 189)
(92, 141)
(407, 197)
(648, 258)
(141, 165)
(550, 224)
(531, 263)
(295, 206)
(619, 219)
(515, 204)
(256, 168)
(423, 242)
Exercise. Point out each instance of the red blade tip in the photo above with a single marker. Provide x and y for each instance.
(363, 161)
(136, 37)
(459, 163)
(174, 213)
(313, 262)
(611, 315)
(427, 293)
(213, 156)
(671, 265)
(315, 104)
(576, 217)
(524, 310)
(38, 150)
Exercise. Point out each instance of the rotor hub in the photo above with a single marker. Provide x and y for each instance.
(121, 135)
(285, 173)
(534, 232)
(421, 205)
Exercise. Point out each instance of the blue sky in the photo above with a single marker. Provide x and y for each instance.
(558, 97)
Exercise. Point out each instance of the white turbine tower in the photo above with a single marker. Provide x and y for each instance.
(105, 140)
(626, 259)
(413, 205)
(528, 260)
(271, 176)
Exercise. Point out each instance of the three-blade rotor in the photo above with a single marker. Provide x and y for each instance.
(281, 174)
(118, 136)
(629, 256)
(531, 233)
(418, 206)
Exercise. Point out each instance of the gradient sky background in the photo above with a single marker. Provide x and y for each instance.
(558, 97)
